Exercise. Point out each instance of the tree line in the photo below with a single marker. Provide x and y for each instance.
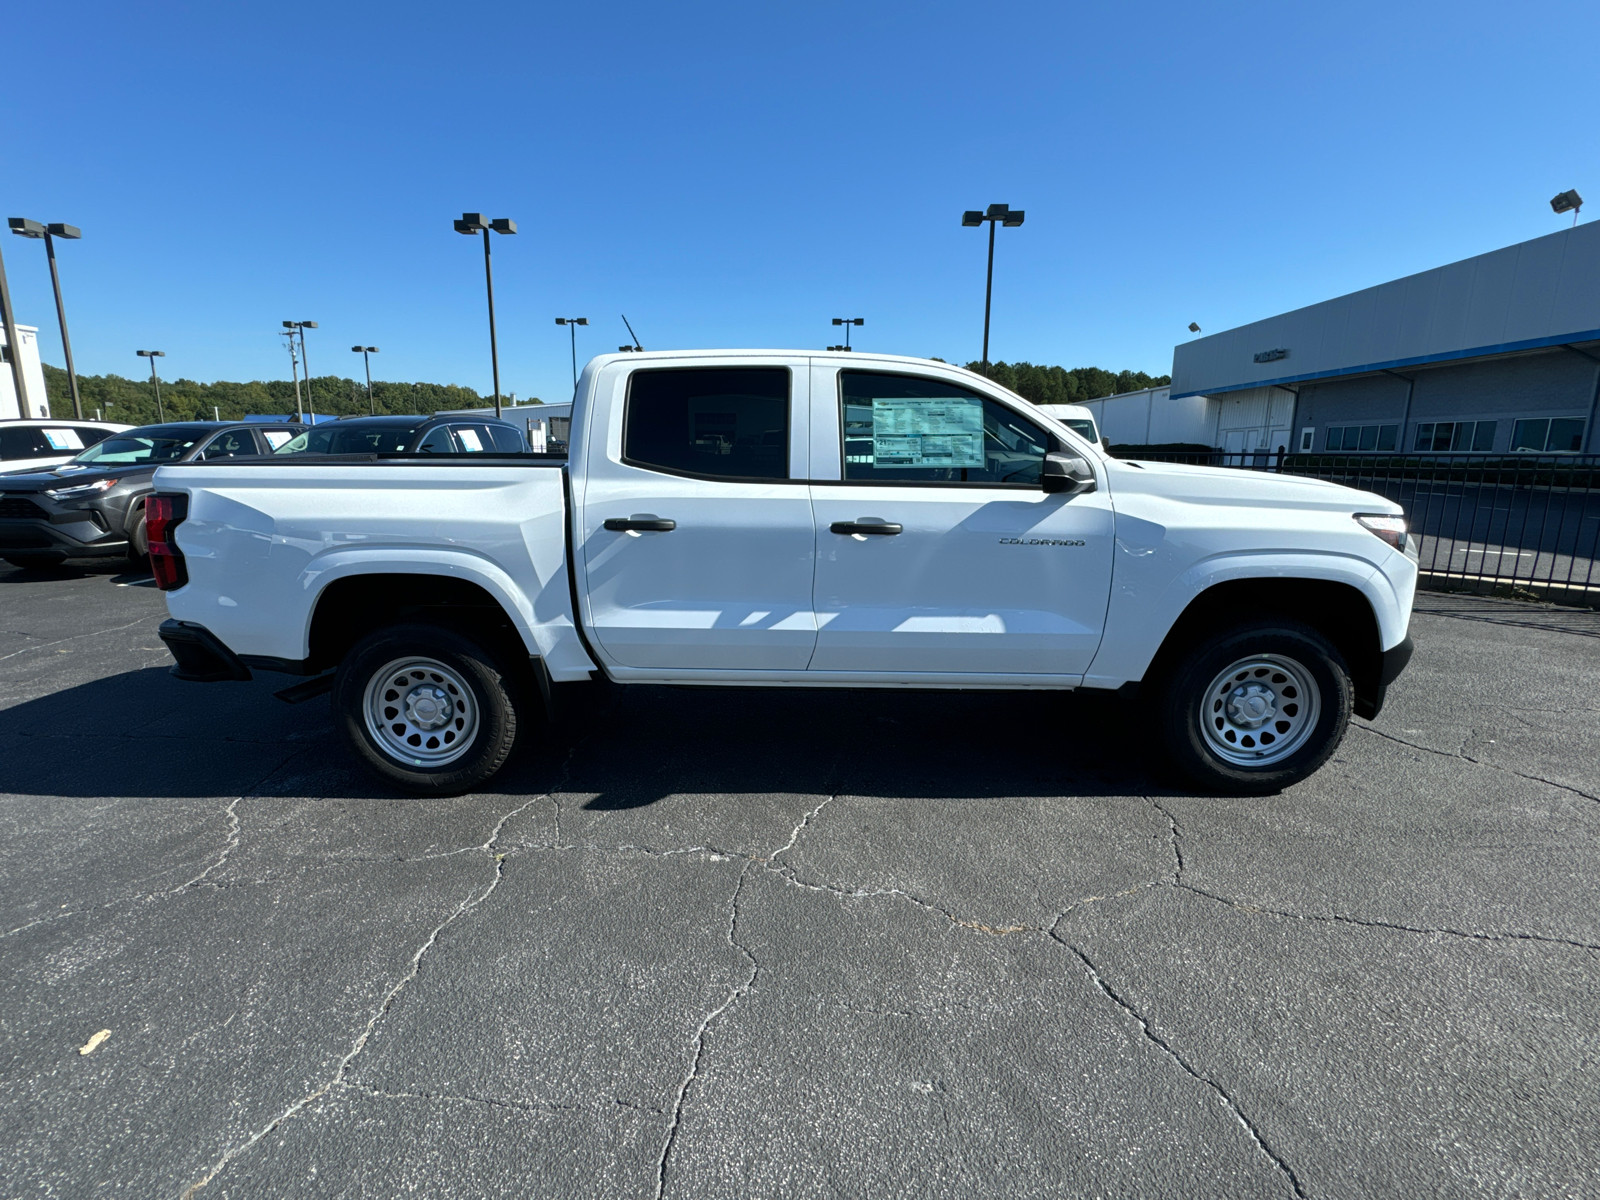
(133, 401)
(1061, 385)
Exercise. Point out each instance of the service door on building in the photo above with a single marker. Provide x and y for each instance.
(697, 537)
(938, 552)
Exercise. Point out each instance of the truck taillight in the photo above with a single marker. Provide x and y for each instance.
(162, 516)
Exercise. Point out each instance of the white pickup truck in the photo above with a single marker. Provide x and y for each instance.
(787, 519)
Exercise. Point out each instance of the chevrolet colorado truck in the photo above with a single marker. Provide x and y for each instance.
(787, 519)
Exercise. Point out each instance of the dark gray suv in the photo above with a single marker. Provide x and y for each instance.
(94, 505)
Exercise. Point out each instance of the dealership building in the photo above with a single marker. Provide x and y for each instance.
(1496, 353)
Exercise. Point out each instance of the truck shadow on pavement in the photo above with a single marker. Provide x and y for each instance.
(145, 734)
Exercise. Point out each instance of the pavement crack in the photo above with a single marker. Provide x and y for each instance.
(1478, 762)
(1166, 1047)
(794, 836)
(498, 862)
(1176, 839)
(693, 1075)
(1345, 919)
(232, 812)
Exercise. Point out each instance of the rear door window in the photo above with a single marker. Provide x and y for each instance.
(906, 429)
(475, 438)
(507, 440)
(709, 422)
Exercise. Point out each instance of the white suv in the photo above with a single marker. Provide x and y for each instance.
(33, 444)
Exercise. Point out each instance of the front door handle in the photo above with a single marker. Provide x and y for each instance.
(868, 526)
(640, 524)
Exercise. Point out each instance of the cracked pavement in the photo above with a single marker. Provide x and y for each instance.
(795, 943)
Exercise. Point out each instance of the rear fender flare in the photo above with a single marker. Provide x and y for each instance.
(455, 564)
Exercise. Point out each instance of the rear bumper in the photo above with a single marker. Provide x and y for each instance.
(1392, 662)
(201, 656)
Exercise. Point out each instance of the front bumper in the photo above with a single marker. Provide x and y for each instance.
(201, 656)
(1391, 663)
(33, 524)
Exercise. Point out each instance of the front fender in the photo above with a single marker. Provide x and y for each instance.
(1140, 617)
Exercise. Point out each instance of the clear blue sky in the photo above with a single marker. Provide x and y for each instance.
(737, 174)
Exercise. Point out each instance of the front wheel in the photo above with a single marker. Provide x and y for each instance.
(425, 708)
(1257, 708)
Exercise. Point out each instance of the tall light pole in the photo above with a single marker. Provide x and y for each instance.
(1010, 218)
(471, 223)
(366, 353)
(152, 355)
(33, 229)
(13, 350)
(305, 362)
(572, 324)
(847, 322)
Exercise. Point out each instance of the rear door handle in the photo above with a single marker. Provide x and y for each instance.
(640, 524)
(866, 527)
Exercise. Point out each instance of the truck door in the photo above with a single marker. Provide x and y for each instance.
(697, 542)
(938, 551)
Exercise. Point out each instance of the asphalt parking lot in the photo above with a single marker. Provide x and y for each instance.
(755, 943)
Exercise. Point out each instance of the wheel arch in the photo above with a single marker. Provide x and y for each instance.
(352, 606)
(1340, 611)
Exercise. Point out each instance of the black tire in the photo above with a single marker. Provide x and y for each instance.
(139, 545)
(1304, 723)
(479, 704)
(35, 562)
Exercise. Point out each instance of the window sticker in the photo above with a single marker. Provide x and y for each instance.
(923, 432)
(276, 438)
(63, 439)
(470, 441)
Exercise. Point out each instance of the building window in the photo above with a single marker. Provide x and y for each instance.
(1440, 436)
(1363, 437)
(1563, 435)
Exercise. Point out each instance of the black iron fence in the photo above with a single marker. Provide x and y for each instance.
(1530, 520)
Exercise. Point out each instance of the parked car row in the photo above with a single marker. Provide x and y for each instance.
(86, 498)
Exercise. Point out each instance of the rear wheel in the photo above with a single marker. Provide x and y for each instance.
(1258, 708)
(426, 708)
(139, 545)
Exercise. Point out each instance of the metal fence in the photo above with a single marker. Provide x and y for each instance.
(1479, 519)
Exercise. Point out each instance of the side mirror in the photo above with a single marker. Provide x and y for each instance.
(1068, 474)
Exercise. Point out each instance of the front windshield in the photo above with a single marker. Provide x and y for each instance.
(350, 439)
(136, 447)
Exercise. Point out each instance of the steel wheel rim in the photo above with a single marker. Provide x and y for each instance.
(421, 712)
(1260, 710)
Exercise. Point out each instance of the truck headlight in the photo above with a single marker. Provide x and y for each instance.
(81, 490)
(1390, 529)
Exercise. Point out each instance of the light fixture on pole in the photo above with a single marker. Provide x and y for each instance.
(366, 353)
(1010, 218)
(1194, 327)
(1568, 201)
(471, 223)
(572, 323)
(33, 229)
(305, 362)
(847, 322)
(152, 355)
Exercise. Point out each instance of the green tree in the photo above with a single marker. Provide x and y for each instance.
(1058, 385)
(133, 401)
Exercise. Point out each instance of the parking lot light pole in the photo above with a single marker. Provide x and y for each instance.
(152, 355)
(847, 322)
(366, 352)
(32, 229)
(572, 323)
(12, 353)
(1010, 218)
(471, 223)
